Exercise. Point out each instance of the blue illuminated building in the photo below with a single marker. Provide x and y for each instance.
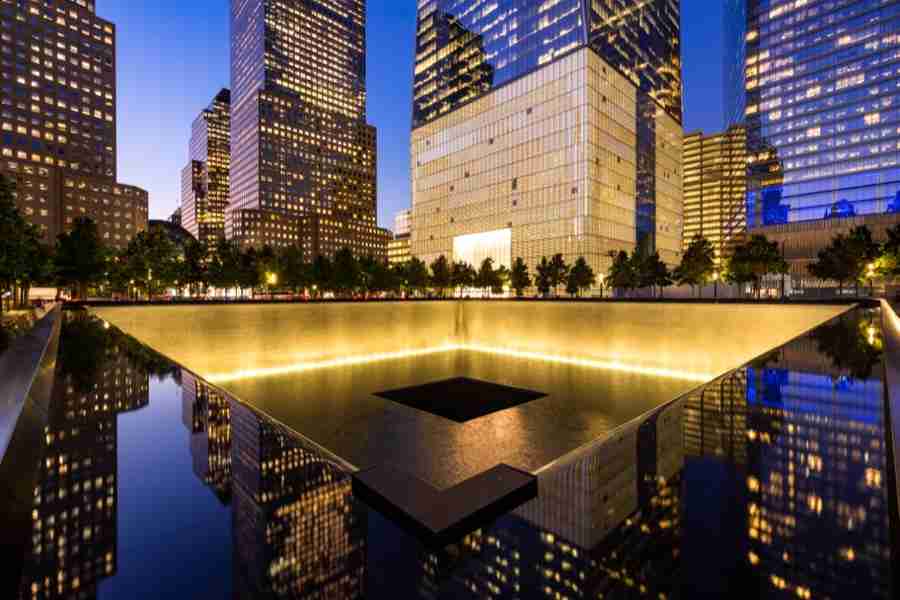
(818, 85)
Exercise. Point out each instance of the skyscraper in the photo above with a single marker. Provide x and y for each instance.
(204, 181)
(303, 156)
(715, 182)
(816, 83)
(546, 127)
(58, 119)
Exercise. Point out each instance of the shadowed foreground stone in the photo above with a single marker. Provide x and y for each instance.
(439, 517)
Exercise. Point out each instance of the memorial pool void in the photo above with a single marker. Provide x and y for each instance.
(329, 371)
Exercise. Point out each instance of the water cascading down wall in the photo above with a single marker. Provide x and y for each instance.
(693, 342)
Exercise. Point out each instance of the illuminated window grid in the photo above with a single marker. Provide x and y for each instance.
(715, 170)
(551, 155)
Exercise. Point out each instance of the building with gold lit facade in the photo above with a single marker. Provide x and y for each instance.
(58, 119)
(715, 187)
(559, 135)
(398, 250)
(303, 156)
(204, 180)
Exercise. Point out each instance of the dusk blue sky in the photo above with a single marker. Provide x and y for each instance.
(173, 56)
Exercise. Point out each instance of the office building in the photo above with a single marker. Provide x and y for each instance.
(715, 186)
(816, 84)
(544, 128)
(398, 251)
(204, 180)
(58, 119)
(303, 156)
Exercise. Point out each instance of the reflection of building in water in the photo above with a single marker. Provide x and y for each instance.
(73, 543)
(297, 532)
(207, 415)
(817, 515)
(715, 420)
(605, 523)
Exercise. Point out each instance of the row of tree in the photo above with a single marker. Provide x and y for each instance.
(152, 263)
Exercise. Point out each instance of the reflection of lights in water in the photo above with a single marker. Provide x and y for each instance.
(588, 363)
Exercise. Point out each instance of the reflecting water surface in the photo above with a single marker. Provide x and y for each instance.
(769, 482)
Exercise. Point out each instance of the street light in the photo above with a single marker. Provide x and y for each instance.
(715, 285)
(272, 278)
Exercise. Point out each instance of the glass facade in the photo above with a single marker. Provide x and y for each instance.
(715, 182)
(205, 180)
(819, 92)
(300, 143)
(552, 157)
(467, 49)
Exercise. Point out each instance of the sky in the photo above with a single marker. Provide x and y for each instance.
(173, 57)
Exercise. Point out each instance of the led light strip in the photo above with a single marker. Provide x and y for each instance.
(384, 356)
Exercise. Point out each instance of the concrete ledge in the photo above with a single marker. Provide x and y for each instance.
(439, 517)
(27, 371)
(890, 327)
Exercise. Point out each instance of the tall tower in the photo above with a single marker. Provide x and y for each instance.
(303, 156)
(58, 120)
(816, 86)
(205, 179)
(546, 127)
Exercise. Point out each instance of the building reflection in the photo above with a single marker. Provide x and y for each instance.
(207, 415)
(73, 541)
(817, 514)
(296, 530)
(771, 480)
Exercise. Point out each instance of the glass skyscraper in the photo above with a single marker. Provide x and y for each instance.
(303, 156)
(485, 89)
(204, 181)
(819, 93)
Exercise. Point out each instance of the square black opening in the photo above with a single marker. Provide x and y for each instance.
(461, 399)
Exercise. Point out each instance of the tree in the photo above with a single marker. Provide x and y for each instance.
(697, 263)
(346, 274)
(377, 276)
(150, 260)
(440, 274)
(659, 275)
(24, 258)
(559, 272)
(485, 277)
(224, 265)
(581, 277)
(846, 258)
(519, 277)
(622, 275)
(294, 272)
(543, 280)
(462, 275)
(416, 275)
(321, 273)
(80, 258)
(195, 266)
(753, 260)
(889, 261)
(501, 280)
